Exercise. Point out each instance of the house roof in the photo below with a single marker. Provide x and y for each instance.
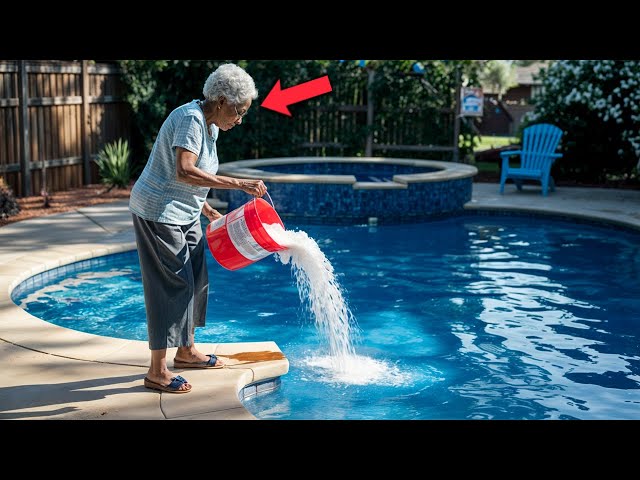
(524, 75)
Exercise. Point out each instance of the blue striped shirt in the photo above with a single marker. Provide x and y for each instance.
(157, 194)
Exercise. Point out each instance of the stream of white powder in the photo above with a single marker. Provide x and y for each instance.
(319, 291)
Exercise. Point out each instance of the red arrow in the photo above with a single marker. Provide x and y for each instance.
(279, 99)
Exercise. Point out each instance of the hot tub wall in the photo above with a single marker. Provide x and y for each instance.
(341, 204)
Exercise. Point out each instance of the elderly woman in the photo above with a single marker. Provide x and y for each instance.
(166, 203)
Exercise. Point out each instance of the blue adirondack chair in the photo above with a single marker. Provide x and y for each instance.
(536, 157)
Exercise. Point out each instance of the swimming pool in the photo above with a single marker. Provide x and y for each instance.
(473, 316)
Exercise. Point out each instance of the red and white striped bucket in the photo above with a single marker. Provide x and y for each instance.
(239, 239)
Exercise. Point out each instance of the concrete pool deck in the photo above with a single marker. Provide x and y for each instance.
(55, 373)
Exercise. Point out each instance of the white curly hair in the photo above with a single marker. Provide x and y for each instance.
(231, 82)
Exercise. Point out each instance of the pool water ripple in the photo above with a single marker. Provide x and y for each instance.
(469, 317)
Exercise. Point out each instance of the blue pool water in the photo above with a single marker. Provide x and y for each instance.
(469, 317)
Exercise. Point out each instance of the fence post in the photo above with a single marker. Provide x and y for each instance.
(25, 150)
(368, 149)
(456, 119)
(86, 163)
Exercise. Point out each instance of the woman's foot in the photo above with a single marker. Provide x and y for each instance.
(165, 379)
(189, 355)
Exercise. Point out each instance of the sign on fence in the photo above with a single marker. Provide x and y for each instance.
(471, 101)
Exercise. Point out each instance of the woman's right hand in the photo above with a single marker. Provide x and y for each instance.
(253, 187)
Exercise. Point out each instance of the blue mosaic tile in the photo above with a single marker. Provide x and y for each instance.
(342, 205)
(40, 279)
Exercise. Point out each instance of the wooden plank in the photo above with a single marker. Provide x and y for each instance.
(55, 131)
(77, 130)
(67, 175)
(55, 183)
(33, 125)
(4, 153)
(13, 155)
(46, 101)
(56, 162)
(25, 154)
(54, 80)
(46, 85)
(320, 126)
(322, 145)
(100, 129)
(66, 149)
(106, 99)
(38, 133)
(72, 126)
(10, 167)
(456, 118)
(46, 133)
(84, 132)
(42, 143)
(93, 86)
(66, 85)
(104, 69)
(342, 108)
(37, 91)
(46, 113)
(413, 148)
(368, 150)
(67, 126)
(14, 85)
(8, 68)
(77, 118)
(51, 68)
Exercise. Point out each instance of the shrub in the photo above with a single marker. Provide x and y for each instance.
(596, 103)
(113, 164)
(8, 204)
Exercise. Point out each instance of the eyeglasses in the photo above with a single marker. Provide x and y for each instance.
(239, 114)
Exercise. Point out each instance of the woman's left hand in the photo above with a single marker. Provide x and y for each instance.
(257, 188)
(210, 212)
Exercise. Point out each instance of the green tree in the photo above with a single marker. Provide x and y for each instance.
(527, 63)
(498, 76)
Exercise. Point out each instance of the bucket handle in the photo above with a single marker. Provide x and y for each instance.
(270, 200)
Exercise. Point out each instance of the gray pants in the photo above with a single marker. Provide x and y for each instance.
(174, 279)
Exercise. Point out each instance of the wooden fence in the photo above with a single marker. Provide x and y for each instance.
(413, 131)
(54, 118)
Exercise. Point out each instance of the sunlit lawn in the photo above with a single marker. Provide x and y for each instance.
(488, 142)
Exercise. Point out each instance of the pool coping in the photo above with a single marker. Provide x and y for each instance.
(86, 365)
(445, 171)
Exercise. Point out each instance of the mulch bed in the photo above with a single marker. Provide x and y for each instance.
(95, 194)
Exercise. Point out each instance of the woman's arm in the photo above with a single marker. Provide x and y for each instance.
(187, 172)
